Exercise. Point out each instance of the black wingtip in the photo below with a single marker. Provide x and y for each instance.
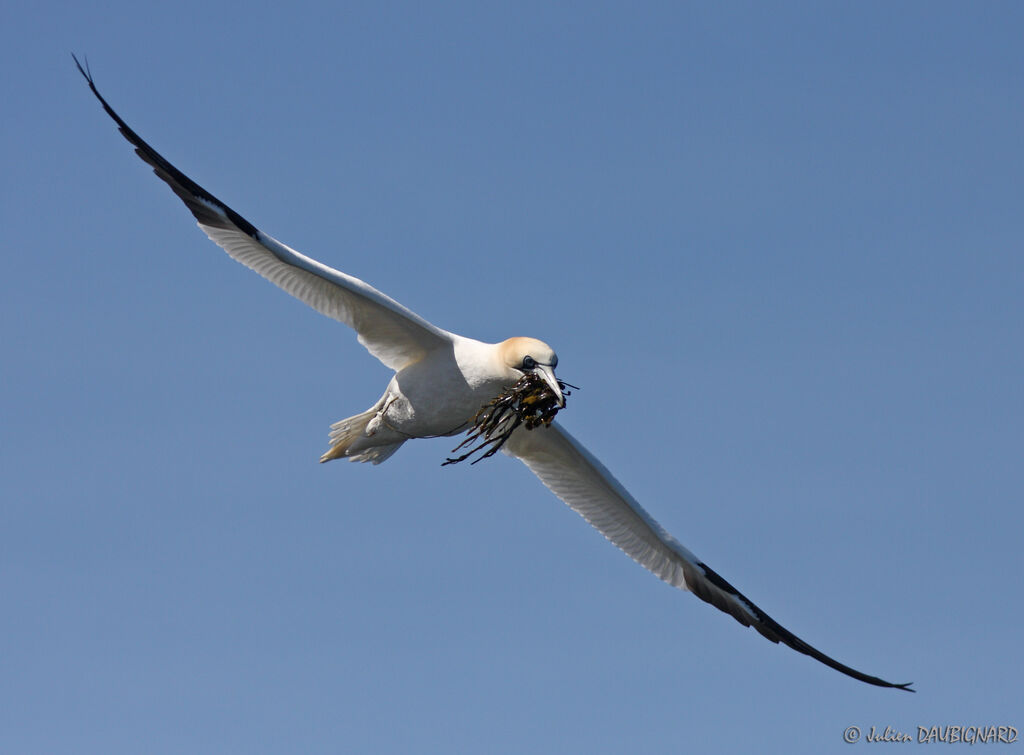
(775, 632)
(196, 198)
(84, 70)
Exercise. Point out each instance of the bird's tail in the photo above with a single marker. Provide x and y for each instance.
(349, 440)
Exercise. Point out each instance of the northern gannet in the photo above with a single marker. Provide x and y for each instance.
(442, 379)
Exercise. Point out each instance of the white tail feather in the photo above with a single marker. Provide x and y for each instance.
(349, 440)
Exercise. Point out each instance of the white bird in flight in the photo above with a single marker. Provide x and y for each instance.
(441, 381)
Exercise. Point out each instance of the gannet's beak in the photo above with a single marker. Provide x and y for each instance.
(545, 371)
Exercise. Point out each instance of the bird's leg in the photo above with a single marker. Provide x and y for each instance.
(378, 419)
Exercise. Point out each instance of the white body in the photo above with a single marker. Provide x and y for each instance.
(435, 396)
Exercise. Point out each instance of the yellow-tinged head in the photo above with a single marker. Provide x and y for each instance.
(530, 355)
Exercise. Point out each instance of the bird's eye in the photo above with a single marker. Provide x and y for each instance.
(528, 363)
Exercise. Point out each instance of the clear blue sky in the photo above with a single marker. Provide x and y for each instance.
(779, 250)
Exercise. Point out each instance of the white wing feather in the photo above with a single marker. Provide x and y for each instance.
(580, 480)
(389, 331)
(392, 333)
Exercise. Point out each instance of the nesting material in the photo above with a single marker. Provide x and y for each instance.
(530, 402)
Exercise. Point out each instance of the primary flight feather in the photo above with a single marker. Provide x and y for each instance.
(441, 382)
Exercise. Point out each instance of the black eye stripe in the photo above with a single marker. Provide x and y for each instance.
(528, 362)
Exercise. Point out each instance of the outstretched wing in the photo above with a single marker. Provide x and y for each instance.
(574, 475)
(390, 332)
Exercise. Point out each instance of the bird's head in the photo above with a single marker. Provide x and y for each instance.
(528, 355)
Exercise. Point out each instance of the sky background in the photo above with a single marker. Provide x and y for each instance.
(778, 248)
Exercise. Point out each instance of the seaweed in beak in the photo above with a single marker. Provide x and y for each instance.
(548, 375)
(533, 401)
